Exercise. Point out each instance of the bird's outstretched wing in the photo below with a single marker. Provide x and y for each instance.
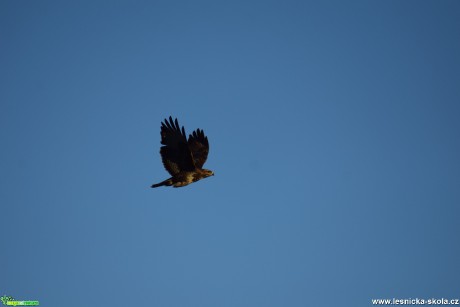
(175, 153)
(199, 146)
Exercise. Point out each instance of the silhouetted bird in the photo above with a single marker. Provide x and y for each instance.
(181, 158)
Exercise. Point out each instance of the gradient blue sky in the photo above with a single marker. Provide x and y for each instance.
(335, 140)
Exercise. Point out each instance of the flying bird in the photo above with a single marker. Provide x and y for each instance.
(182, 158)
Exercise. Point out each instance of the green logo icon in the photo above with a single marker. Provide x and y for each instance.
(10, 301)
(6, 298)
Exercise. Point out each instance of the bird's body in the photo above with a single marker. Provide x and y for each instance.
(184, 178)
(183, 158)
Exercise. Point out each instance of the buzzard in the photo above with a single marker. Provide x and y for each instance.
(183, 158)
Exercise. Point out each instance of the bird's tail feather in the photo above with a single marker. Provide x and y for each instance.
(167, 182)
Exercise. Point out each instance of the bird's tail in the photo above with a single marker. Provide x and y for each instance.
(167, 182)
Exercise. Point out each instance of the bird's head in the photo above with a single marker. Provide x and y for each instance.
(207, 173)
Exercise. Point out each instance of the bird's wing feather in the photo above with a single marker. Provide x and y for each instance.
(199, 146)
(175, 153)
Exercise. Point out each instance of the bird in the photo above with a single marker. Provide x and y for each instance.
(182, 158)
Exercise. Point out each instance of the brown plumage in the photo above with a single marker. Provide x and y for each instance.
(182, 158)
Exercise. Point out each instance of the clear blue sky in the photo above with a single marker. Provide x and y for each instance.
(335, 139)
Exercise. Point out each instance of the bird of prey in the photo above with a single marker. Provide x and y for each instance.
(183, 158)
